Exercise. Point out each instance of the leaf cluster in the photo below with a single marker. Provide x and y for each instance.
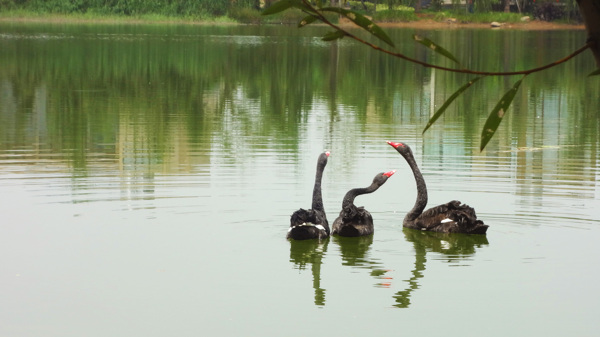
(318, 14)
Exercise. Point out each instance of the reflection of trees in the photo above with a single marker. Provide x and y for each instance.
(303, 252)
(144, 100)
(454, 247)
(226, 82)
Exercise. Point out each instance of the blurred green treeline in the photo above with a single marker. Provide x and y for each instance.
(248, 11)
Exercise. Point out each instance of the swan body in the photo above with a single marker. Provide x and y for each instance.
(311, 223)
(451, 217)
(353, 220)
(308, 224)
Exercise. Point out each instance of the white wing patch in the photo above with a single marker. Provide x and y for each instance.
(308, 224)
(446, 220)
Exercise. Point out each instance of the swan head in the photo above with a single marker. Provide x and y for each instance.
(402, 148)
(382, 177)
(322, 160)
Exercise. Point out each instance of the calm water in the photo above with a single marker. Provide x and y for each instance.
(148, 175)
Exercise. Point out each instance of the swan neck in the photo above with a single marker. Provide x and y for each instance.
(353, 193)
(317, 201)
(421, 201)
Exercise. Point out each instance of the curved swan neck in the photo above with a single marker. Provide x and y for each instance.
(421, 190)
(353, 193)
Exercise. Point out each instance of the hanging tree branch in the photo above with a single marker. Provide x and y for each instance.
(317, 13)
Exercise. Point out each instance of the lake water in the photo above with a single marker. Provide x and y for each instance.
(148, 174)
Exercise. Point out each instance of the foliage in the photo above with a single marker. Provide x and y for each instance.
(306, 12)
(478, 17)
(320, 14)
(483, 5)
(246, 15)
(362, 6)
(394, 16)
(58, 6)
(8, 4)
(291, 17)
(436, 5)
(126, 7)
(449, 101)
(572, 13)
(548, 11)
(381, 10)
(433, 46)
(497, 114)
(253, 16)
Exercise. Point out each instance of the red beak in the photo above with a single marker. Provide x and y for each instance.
(389, 174)
(395, 145)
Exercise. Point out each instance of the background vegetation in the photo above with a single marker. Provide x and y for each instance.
(248, 11)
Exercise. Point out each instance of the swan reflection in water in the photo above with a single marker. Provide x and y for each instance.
(354, 251)
(454, 247)
(303, 252)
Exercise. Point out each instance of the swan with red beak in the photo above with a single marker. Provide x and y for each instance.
(357, 221)
(452, 217)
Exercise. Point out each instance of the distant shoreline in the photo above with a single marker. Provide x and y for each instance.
(59, 19)
(420, 24)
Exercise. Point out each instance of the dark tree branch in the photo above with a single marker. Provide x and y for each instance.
(590, 11)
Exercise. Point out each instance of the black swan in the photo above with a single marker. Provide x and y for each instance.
(311, 223)
(452, 217)
(357, 221)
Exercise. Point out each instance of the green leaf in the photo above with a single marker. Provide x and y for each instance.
(338, 34)
(594, 73)
(361, 21)
(282, 5)
(431, 45)
(493, 121)
(307, 21)
(449, 101)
